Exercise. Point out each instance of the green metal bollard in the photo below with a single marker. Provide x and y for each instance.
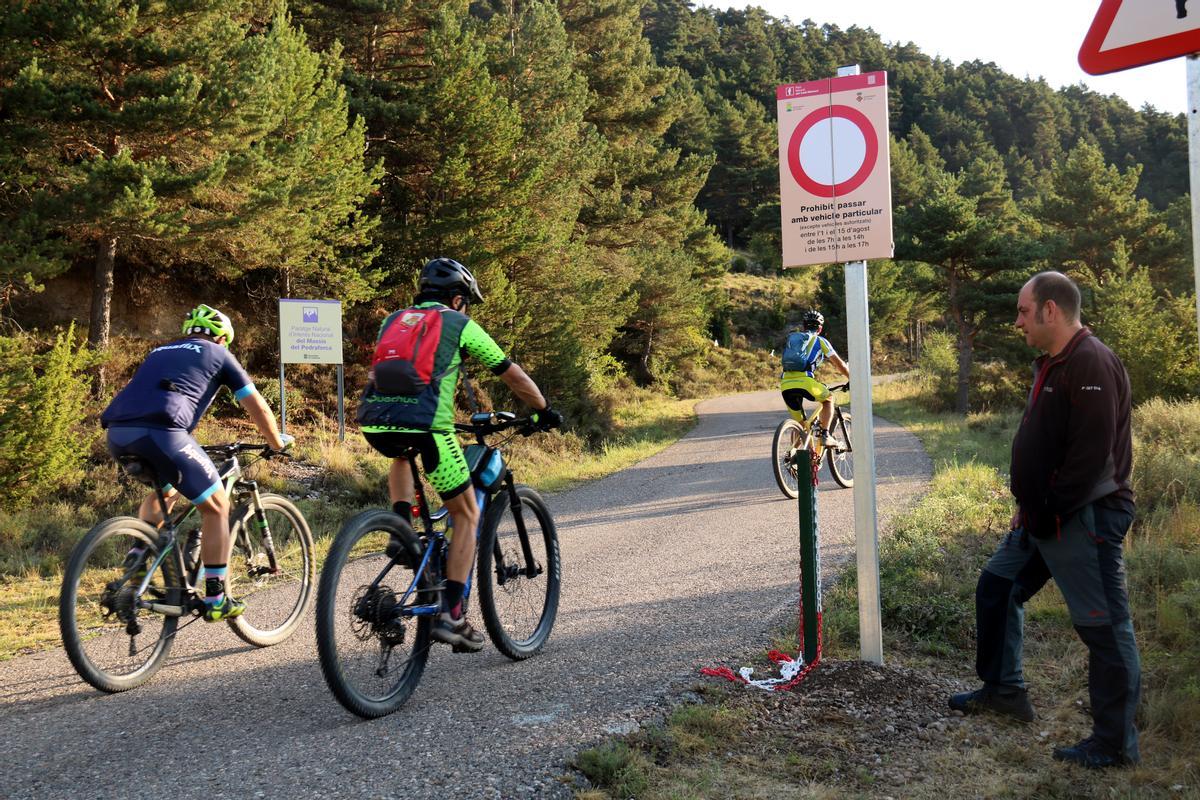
(810, 557)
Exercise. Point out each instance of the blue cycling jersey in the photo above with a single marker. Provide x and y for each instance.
(175, 385)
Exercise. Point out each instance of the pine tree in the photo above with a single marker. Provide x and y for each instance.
(641, 201)
(1091, 205)
(172, 133)
(565, 317)
(447, 138)
(746, 169)
(1155, 336)
(968, 228)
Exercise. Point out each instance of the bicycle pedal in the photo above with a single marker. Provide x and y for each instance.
(458, 648)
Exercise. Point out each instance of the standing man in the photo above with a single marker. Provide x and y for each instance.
(1071, 461)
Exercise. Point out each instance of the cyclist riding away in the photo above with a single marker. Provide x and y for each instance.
(804, 352)
(153, 417)
(409, 404)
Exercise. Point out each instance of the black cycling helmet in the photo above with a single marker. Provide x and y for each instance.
(813, 321)
(448, 277)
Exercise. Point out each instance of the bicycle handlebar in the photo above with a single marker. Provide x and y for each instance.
(227, 451)
(488, 422)
(840, 387)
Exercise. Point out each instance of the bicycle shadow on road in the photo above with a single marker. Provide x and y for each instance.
(67, 687)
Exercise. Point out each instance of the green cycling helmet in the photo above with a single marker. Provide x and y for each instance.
(206, 319)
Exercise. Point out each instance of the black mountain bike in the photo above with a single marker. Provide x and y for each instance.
(375, 611)
(128, 584)
(794, 444)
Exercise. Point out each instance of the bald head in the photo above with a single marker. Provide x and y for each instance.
(1059, 288)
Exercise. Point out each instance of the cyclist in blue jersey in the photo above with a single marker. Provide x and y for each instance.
(804, 352)
(153, 418)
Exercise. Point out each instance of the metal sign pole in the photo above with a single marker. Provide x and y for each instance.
(1193, 83)
(862, 440)
(341, 380)
(282, 401)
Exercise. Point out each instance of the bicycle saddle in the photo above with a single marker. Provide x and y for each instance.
(138, 469)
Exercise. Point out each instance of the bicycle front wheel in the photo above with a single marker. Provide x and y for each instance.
(372, 652)
(113, 645)
(520, 573)
(841, 456)
(788, 437)
(272, 569)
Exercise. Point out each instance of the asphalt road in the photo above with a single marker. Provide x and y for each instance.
(688, 559)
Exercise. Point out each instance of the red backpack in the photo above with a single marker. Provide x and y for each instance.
(404, 356)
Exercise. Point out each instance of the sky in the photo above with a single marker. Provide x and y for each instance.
(1028, 38)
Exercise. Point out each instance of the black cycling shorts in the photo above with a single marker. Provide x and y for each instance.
(441, 455)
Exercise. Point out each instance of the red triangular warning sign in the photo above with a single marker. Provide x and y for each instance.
(1130, 33)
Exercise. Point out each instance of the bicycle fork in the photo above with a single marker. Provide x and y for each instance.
(257, 520)
(532, 568)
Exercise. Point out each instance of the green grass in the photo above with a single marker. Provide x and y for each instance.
(28, 614)
(984, 438)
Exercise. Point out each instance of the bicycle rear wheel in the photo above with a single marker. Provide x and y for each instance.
(519, 588)
(278, 597)
(841, 457)
(788, 436)
(112, 647)
(371, 653)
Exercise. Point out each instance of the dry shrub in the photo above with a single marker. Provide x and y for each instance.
(1166, 468)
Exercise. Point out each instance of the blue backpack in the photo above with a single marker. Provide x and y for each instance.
(802, 353)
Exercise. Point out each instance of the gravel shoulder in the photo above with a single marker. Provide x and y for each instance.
(685, 560)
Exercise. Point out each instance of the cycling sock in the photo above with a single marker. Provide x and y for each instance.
(452, 598)
(214, 584)
(404, 509)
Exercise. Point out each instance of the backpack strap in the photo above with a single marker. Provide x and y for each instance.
(472, 400)
(810, 360)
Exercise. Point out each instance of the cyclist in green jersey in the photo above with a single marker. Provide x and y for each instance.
(395, 421)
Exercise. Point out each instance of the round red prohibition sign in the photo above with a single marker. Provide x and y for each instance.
(871, 141)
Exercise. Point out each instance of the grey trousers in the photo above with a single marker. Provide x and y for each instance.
(1085, 560)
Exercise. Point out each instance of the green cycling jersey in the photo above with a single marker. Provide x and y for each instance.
(460, 334)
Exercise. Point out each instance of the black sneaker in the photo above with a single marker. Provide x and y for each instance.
(456, 632)
(1089, 754)
(1007, 701)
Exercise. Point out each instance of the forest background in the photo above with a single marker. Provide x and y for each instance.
(606, 168)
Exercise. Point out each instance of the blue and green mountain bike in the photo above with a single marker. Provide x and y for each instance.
(375, 611)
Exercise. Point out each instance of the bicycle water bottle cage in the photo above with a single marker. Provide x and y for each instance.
(486, 465)
(138, 469)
